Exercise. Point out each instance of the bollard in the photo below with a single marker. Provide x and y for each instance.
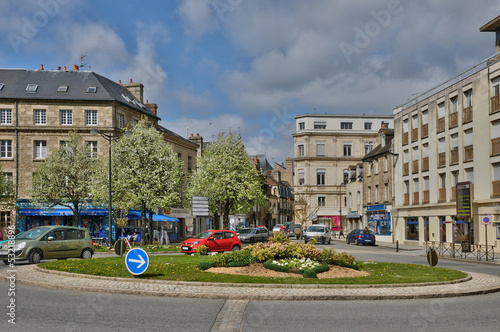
(397, 245)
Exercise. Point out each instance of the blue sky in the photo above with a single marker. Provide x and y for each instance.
(253, 65)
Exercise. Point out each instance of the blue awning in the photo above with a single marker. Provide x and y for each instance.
(136, 215)
(62, 212)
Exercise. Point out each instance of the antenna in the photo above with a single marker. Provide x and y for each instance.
(82, 59)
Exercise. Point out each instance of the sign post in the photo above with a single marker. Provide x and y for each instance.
(486, 220)
(137, 261)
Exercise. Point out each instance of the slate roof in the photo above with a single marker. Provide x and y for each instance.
(379, 149)
(15, 82)
(171, 133)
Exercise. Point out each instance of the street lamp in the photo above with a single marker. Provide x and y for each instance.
(340, 201)
(110, 137)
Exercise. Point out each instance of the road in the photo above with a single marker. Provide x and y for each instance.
(56, 310)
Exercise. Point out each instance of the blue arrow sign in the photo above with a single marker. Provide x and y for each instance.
(137, 261)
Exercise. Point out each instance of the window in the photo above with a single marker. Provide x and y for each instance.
(346, 125)
(414, 121)
(320, 149)
(4, 220)
(190, 161)
(386, 165)
(40, 117)
(405, 126)
(416, 154)
(468, 98)
(320, 177)
(369, 198)
(426, 183)
(31, 87)
(179, 156)
(454, 141)
(62, 88)
(442, 145)
(368, 126)
(416, 187)
(66, 117)
(407, 187)
(121, 121)
(1, 86)
(302, 125)
(40, 149)
(92, 89)
(5, 149)
(375, 165)
(347, 149)
(134, 123)
(301, 177)
(442, 180)
(469, 174)
(441, 111)
(321, 200)
(469, 137)
(386, 191)
(425, 117)
(454, 104)
(368, 147)
(377, 194)
(5, 117)
(319, 124)
(301, 150)
(91, 118)
(92, 148)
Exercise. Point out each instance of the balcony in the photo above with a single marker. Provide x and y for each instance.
(442, 195)
(406, 168)
(495, 104)
(454, 156)
(467, 114)
(454, 194)
(425, 164)
(468, 153)
(453, 120)
(416, 198)
(405, 138)
(440, 125)
(407, 199)
(495, 146)
(496, 188)
(425, 131)
(426, 199)
(414, 135)
(442, 159)
(414, 166)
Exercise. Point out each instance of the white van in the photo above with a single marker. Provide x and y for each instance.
(321, 231)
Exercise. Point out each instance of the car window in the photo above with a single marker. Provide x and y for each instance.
(32, 234)
(75, 234)
(203, 235)
(57, 234)
(218, 236)
(316, 229)
(245, 231)
(228, 235)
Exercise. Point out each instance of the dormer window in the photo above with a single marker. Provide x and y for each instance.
(92, 89)
(1, 86)
(31, 87)
(62, 88)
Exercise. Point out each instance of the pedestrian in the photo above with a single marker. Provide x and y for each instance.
(341, 233)
(282, 229)
(1, 235)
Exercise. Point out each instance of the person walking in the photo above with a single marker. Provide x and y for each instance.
(341, 233)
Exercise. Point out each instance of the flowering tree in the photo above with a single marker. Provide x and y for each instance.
(226, 176)
(65, 177)
(146, 173)
(7, 192)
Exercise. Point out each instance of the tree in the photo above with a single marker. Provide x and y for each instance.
(304, 211)
(7, 192)
(146, 173)
(225, 175)
(65, 177)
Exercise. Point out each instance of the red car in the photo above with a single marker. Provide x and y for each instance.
(215, 240)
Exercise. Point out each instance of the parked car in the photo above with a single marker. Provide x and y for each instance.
(278, 228)
(363, 236)
(268, 231)
(293, 230)
(215, 240)
(321, 231)
(252, 235)
(48, 242)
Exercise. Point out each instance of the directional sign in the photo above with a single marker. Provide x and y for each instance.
(486, 220)
(137, 261)
(200, 206)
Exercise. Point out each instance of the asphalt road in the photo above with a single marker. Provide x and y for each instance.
(42, 309)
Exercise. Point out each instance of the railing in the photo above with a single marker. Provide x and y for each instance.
(495, 104)
(426, 198)
(414, 166)
(454, 156)
(405, 138)
(406, 168)
(425, 164)
(462, 250)
(453, 120)
(496, 188)
(407, 199)
(442, 195)
(467, 115)
(469, 153)
(414, 135)
(495, 146)
(416, 198)
(440, 125)
(425, 131)
(442, 159)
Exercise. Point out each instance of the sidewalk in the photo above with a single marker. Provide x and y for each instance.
(475, 284)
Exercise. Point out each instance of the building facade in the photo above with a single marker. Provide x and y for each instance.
(324, 147)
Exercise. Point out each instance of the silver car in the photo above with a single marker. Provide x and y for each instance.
(252, 235)
(321, 231)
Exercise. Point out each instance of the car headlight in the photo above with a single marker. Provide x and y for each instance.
(20, 246)
(195, 243)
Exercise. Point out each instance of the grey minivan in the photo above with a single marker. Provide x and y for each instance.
(321, 231)
(48, 242)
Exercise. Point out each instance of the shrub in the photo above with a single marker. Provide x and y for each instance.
(274, 267)
(322, 268)
(313, 240)
(202, 250)
(310, 274)
(204, 266)
(279, 237)
(343, 259)
(233, 258)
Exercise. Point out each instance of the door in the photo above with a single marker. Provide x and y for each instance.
(74, 242)
(56, 246)
(217, 241)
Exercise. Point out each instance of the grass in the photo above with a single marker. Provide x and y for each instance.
(184, 268)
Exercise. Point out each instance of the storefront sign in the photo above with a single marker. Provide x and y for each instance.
(375, 207)
(463, 200)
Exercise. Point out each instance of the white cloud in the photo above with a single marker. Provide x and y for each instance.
(190, 102)
(198, 17)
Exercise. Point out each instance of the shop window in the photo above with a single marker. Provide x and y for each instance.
(411, 229)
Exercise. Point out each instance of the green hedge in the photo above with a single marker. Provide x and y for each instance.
(310, 274)
(202, 266)
(274, 267)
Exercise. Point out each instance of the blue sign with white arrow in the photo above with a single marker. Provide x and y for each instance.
(137, 261)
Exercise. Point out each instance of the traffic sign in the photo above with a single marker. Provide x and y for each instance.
(137, 261)
(486, 220)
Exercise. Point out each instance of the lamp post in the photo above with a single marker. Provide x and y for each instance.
(340, 203)
(110, 137)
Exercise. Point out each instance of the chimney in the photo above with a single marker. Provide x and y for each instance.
(120, 82)
(137, 89)
(197, 140)
(75, 67)
(65, 68)
(152, 107)
(58, 67)
(382, 125)
(41, 67)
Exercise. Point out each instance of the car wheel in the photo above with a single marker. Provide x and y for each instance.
(363, 244)
(236, 248)
(86, 254)
(35, 256)
(329, 240)
(373, 244)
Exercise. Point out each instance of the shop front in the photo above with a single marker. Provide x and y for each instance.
(332, 221)
(378, 219)
(353, 221)
(164, 228)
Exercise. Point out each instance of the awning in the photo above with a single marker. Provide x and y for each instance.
(62, 212)
(353, 216)
(136, 215)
